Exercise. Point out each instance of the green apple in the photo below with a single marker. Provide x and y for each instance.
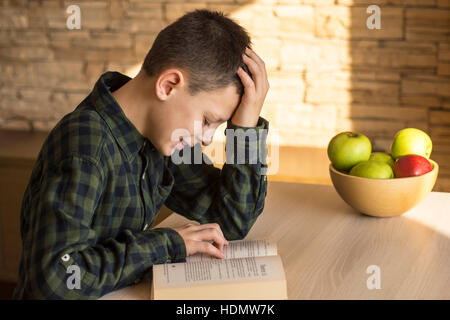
(373, 169)
(411, 141)
(383, 157)
(347, 149)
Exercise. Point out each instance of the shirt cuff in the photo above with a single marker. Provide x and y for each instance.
(247, 145)
(176, 246)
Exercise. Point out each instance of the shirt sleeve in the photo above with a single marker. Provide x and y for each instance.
(61, 245)
(232, 196)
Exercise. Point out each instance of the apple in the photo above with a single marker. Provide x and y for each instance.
(347, 149)
(372, 169)
(411, 165)
(383, 157)
(411, 141)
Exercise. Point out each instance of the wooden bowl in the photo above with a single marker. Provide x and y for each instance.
(383, 197)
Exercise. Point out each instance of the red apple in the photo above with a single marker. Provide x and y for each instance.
(411, 165)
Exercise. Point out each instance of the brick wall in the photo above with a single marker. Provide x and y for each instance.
(328, 72)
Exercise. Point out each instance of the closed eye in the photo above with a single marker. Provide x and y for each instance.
(206, 122)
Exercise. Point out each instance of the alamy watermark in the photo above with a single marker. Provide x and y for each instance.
(239, 144)
(74, 280)
(74, 19)
(374, 20)
(374, 280)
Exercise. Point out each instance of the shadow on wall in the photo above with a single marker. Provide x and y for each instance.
(393, 72)
(401, 77)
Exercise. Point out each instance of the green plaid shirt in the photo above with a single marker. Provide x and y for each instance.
(97, 186)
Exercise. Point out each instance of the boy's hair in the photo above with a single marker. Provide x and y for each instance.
(207, 45)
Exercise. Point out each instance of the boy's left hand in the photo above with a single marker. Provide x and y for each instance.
(247, 113)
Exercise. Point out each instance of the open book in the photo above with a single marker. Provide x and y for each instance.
(251, 270)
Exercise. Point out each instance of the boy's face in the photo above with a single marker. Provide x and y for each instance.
(185, 118)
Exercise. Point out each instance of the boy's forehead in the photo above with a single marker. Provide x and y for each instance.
(223, 103)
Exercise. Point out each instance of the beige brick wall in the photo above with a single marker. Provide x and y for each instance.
(328, 72)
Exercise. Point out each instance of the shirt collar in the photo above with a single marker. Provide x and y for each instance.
(127, 136)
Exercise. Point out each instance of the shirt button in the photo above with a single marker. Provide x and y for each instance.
(145, 227)
(65, 257)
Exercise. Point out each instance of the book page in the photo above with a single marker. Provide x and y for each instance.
(241, 249)
(218, 271)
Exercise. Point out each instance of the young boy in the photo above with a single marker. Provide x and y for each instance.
(105, 170)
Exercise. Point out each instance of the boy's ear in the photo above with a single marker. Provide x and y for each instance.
(167, 80)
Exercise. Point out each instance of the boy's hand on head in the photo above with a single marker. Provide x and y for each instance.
(194, 237)
(247, 113)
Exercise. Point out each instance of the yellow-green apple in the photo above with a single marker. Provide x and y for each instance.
(347, 149)
(411, 165)
(383, 157)
(411, 141)
(372, 169)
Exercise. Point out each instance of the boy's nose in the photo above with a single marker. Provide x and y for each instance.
(208, 137)
(206, 142)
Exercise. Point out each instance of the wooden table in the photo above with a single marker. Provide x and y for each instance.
(326, 246)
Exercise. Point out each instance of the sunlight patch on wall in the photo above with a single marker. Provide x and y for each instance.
(133, 70)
